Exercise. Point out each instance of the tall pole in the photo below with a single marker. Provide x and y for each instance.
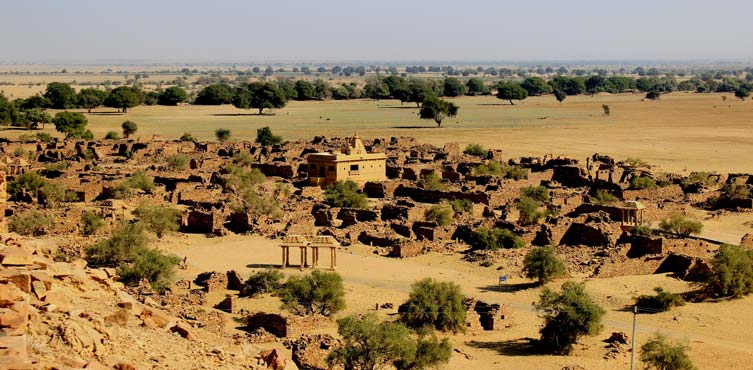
(635, 323)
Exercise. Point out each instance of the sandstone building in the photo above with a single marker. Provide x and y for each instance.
(355, 164)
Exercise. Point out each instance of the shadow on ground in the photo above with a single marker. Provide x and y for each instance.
(516, 347)
(508, 288)
(411, 127)
(265, 266)
(241, 114)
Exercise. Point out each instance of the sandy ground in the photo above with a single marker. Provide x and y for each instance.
(718, 333)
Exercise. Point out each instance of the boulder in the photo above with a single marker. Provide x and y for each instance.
(183, 330)
(16, 256)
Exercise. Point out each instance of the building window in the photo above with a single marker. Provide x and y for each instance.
(354, 167)
(331, 168)
(312, 166)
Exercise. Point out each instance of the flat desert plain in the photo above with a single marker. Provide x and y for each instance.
(680, 132)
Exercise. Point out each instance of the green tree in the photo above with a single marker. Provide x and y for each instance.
(124, 97)
(29, 182)
(476, 86)
(35, 101)
(215, 94)
(681, 225)
(568, 315)
(8, 111)
(72, 124)
(511, 91)
(259, 95)
(61, 95)
(222, 134)
(345, 194)
(320, 293)
(417, 90)
(742, 93)
(560, 95)
(151, 264)
(260, 282)
(376, 89)
(322, 90)
(660, 354)
(264, 136)
(536, 86)
(304, 90)
(34, 117)
(437, 109)
(453, 87)
(731, 272)
(369, 344)
(90, 223)
(173, 95)
(158, 219)
(543, 265)
(91, 98)
(129, 128)
(127, 240)
(435, 303)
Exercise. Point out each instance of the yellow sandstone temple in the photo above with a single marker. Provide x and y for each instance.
(355, 164)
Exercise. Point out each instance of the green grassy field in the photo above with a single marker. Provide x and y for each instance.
(693, 131)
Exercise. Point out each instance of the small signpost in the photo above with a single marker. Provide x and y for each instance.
(502, 279)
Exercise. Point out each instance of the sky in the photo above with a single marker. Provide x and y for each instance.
(384, 30)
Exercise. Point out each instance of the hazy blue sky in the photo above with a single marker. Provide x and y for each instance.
(375, 30)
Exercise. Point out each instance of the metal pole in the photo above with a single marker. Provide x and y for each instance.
(635, 323)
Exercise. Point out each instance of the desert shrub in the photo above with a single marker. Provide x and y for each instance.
(112, 135)
(222, 134)
(31, 223)
(489, 168)
(90, 223)
(662, 301)
(121, 191)
(659, 353)
(529, 210)
(140, 180)
(43, 136)
(735, 191)
(177, 161)
(186, 137)
(432, 182)
(515, 173)
(440, 214)
(242, 159)
(435, 303)
(264, 136)
(543, 265)
(240, 178)
(642, 182)
(127, 250)
(52, 194)
(370, 344)
(731, 272)
(702, 177)
(487, 264)
(320, 292)
(251, 201)
(345, 194)
(150, 264)
(538, 193)
(30, 182)
(643, 229)
(636, 162)
(493, 239)
(604, 197)
(56, 166)
(126, 241)
(568, 315)
(158, 219)
(475, 150)
(461, 205)
(260, 282)
(681, 225)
